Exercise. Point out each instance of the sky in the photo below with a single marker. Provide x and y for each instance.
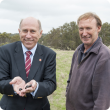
(51, 13)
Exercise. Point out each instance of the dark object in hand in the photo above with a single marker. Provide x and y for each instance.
(28, 86)
(20, 89)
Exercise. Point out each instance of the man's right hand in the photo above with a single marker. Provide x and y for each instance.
(18, 83)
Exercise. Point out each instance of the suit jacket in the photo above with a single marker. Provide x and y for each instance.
(43, 70)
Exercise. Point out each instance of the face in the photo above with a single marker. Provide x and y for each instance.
(29, 32)
(88, 31)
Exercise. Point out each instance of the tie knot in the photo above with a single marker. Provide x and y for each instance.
(28, 53)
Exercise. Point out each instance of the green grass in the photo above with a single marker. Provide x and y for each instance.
(57, 99)
(0, 96)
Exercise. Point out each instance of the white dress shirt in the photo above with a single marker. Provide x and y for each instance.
(31, 56)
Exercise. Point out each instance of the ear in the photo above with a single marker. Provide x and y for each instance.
(40, 33)
(19, 31)
(99, 28)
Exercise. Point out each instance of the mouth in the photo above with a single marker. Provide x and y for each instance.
(28, 41)
(85, 37)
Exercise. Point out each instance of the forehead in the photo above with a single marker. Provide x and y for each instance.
(29, 23)
(87, 22)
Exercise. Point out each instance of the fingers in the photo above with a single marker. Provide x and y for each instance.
(21, 88)
(13, 81)
(26, 87)
(18, 83)
(16, 80)
(34, 84)
(30, 86)
(22, 94)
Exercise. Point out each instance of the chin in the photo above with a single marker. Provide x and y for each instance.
(28, 47)
(86, 43)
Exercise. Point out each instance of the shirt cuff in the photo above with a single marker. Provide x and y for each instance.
(13, 89)
(34, 92)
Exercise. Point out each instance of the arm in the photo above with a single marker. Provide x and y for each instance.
(5, 87)
(6, 80)
(68, 81)
(101, 86)
(48, 85)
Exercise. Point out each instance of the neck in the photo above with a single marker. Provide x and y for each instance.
(87, 47)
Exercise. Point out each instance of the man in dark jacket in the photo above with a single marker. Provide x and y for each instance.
(27, 70)
(89, 79)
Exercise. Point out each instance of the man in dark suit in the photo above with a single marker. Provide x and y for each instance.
(14, 76)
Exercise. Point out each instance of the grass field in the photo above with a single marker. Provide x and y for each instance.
(57, 99)
(63, 59)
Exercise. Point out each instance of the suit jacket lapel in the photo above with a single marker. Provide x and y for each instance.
(36, 62)
(19, 59)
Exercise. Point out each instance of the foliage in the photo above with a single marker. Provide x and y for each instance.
(6, 38)
(105, 33)
(65, 37)
(14, 38)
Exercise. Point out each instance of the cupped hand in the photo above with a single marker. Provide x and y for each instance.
(18, 83)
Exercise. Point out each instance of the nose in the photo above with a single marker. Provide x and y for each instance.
(84, 32)
(28, 35)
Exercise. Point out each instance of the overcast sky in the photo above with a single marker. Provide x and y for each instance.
(51, 13)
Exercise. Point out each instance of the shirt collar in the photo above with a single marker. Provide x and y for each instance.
(32, 50)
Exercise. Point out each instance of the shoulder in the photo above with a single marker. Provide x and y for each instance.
(77, 49)
(104, 53)
(10, 46)
(104, 50)
(7, 51)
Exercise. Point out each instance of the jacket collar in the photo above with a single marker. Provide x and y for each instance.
(95, 48)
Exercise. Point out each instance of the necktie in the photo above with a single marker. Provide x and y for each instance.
(27, 63)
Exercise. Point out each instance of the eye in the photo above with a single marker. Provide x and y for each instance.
(88, 28)
(24, 30)
(80, 29)
(32, 31)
